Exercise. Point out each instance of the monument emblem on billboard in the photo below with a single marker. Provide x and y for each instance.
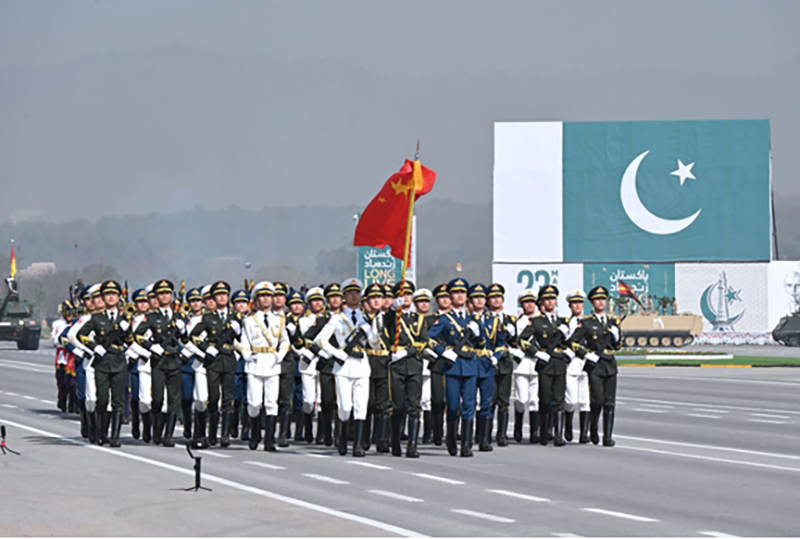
(716, 303)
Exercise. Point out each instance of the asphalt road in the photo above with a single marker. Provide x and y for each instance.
(700, 452)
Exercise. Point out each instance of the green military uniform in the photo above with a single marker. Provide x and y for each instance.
(378, 406)
(288, 369)
(504, 371)
(327, 383)
(437, 367)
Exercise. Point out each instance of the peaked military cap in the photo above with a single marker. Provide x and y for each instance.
(333, 289)
(527, 295)
(398, 287)
(149, 290)
(139, 295)
(86, 293)
(220, 287)
(374, 290)
(240, 295)
(496, 290)
(477, 291)
(193, 293)
(547, 292)
(111, 287)
(206, 290)
(457, 285)
(295, 296)
(388, 291)
(352, 284)
(263, 288)
(94, 290)
(598, 292)
(440, 291)
(315, 293)
(423, 294)
(281, 289)
(576, 296)
(164, 285)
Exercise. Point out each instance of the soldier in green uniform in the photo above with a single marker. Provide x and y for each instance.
(422, 304)
(297, 308)
(327, 383)
(437, 365)
(504, 371)
(596, 340)
(288, 366)
(378, 406)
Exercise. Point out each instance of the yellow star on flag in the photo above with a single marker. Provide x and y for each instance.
(400, 187)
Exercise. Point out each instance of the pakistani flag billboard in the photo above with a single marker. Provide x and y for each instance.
(632, 191)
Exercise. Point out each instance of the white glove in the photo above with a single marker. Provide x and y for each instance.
(181, 325)
(398, 303)
(569, 353)
(308, 354)
(451, 355)
(400, 354)
(212, 351)
(430, 353)
(511, 329)
(99, 350)
(516, 352)
(494, 361)
(564, 329)
(614, 330)
(130, 354)
(124, 325)
(186, 353)
(474, 328)
(236, 327)
(339, 354)
(290, 327)
(325, 354)
(157, 349)
(591, 356)
(544, 356)
(367, 329)
(78, 352)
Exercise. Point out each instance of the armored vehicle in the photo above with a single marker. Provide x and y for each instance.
(787, 332)
(661, 331)
(16, 320)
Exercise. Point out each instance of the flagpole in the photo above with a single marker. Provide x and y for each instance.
(408, 244)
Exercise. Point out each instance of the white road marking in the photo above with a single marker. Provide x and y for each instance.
(768, 421)
(707, 416)
(9, 406)
(717, 534)
(207, 452)
(326, 479)
(43, 401)
(711, 379)
(484, 516)
(30, 367)
(517, 495)
(233, 484)
(649, 411)
(652, 402)
(771, 416)
(713, 459)
(369, 465)
(315, 455)
(437, 478)
(28, 398)
(264, 465)
(396, 496)
(714, 447)
(12, 394)
(668, 406)
(618, 514)
(565, 535)
(710, 411)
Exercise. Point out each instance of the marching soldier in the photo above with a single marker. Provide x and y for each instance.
(596, 340)
(192, 360)
(265, 343)
(308, 351)
(61, 353)
(138, 356)
(198, 310)
(406, 366)
(94, 304)
(437, 366)
(70, 341)
(577, 393)
(547, 334)
(454, 335)
(526, 379)
(288, 366)
(297, 308)
(327, 383)
(241, 304)
(506, 358)
(489, 347)
(345, 337)
(378, 407)
(105, 333)
(422, 305)
(214, 335)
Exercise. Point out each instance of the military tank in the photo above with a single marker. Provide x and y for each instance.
(787, 332)
(16, 320)
(661, 330)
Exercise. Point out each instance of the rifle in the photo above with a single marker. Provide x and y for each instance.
(356, 338)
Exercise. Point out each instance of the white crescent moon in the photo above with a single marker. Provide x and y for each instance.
(641, 216)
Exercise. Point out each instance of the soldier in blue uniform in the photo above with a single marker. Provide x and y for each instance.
(241, 304)
(187, 377)
(455, 337)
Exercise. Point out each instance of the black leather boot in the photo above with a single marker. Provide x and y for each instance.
(594, 420)
(413, 435)
(200, 441)
(269, 433)
(403, 432)
(320, 428)
(225, 438)
(327, 423)
(608, 427)
(255, 432)
(484, 439)
(147, 427)
(135, 429)
(237, 414)
(397, 426)
(583, 418)
(544, 426)
(299, 426)
(479, 422)
(490, 425)
(438, 428)
(101, 422)
(84, 420)
(91, 426)
(568, 426)
(533, 426)
(283, 427)
(116, 425)
(452, 443)
(186, 408)
(558, 439)
(382, 444)
(368, 432)
(341, 443)
(519, 419)
(467, 428)
(427, 428)
(358, 439)
(308, 428)
(158, 426)
(169, 429)
(213, 424)
(246, 424)
(502, 428)
(106, 427)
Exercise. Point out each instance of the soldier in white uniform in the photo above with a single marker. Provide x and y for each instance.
(345, 337)
(142, 356)
(526, 379)
(192, 353)
(577, 393)
(264, 344)
(96, 305)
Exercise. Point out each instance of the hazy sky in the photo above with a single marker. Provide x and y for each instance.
(99, 97)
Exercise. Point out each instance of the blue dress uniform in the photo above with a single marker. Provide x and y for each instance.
(240, 381)
(454, 343)
(187, 379)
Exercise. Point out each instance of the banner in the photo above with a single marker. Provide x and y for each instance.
(652, 284)
(783, 289)
(519, 277)
(632, 191)
(378, 266)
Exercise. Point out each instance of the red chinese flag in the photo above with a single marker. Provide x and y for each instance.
(626, 290)
(385, 221)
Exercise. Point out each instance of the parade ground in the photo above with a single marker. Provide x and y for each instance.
(700, 452)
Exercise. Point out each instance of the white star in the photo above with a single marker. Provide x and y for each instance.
(684, 171)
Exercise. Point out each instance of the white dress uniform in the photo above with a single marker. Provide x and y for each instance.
(83, 351)
(143, 364)
(264, 344)
(576, 398)
(351, 373)
(307, 366)
(526, 379)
